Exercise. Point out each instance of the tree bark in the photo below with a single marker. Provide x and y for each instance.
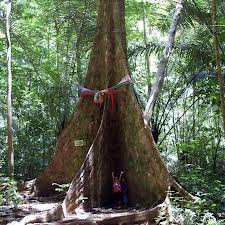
(162, 64)
(85, 122)
(218, 62)
(9, 95)
(116, 131)
(122, 139)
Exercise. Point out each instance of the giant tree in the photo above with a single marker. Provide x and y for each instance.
(112, 138)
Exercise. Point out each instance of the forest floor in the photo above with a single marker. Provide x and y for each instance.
(9, 213)
(96, 216)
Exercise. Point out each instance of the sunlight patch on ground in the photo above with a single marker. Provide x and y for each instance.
(37, 206)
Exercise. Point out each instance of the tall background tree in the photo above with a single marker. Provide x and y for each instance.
(218, 60)
(155, 90)
(9, 94)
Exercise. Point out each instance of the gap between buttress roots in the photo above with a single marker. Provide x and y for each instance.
(94, 180)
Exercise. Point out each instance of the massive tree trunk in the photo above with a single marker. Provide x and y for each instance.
(126, 142)
(115, 140)
(84, 124)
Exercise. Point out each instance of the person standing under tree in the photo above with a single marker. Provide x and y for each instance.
(117, 190)
(124, 187)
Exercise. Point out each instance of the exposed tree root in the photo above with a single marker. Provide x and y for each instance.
(181, 190)
(27, 188)
(52, 215)
(155, 215)
(160, 214)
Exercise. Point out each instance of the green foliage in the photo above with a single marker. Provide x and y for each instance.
(8, 191)
(206, 185)
(51, 42)
(193, 213)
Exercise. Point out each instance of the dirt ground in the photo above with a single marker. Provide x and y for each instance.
(96, 216)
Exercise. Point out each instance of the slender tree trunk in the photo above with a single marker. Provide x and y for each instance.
(215, 154)
(162, 64)
(9, 94)
(194, 113)
(218, 62)
(146, 56)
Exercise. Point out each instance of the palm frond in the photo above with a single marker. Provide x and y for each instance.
(137, 49)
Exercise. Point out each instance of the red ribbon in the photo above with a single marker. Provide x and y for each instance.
(111, 95)
(112, 98)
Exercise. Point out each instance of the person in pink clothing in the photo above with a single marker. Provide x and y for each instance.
(117, 190)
